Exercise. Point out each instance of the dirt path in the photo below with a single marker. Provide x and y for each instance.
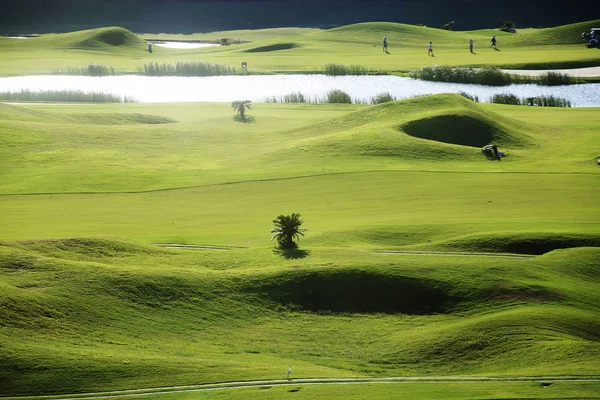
(452, 254)
(591, 72)
(300, 382)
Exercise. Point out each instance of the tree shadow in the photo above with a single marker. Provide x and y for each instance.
(248, 119)
(292, 254)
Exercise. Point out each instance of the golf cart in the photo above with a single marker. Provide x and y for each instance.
(592, 38)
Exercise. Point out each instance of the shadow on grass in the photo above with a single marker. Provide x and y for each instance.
(292, 254)
(246, 120)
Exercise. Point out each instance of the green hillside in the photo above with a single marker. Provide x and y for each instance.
(422, 257)
(296, 49)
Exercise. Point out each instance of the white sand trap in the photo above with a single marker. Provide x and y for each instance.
(590, 72)
(16, 37)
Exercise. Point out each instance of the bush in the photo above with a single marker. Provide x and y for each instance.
(555, 79)
(382, 98)
(469, 96)
(506, 98)
(338, 96)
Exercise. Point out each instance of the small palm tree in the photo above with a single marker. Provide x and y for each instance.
(241, 106)
(287, 228)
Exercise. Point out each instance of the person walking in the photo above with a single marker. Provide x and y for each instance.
(471, 46)
(289, 372)
(385, 49)
(493, 42)
(430, 49)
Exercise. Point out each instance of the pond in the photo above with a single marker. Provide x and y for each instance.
(259, 87)
(181, 45)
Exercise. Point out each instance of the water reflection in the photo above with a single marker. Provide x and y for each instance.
(258, 87)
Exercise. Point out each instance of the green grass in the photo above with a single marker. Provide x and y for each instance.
(88, 302)
(297, 50)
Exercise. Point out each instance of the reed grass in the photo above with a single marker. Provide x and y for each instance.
(65, 96)
(547, 101)
(537, 101)
(191, 68)
(342, 69)
(91, 69)
(489, 76)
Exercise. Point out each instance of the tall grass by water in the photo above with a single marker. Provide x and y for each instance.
(91, 69)
(490, 76)
(191, 68)
(342, 69)
(65, 96)
(556, 79)
(538, 101)
(333, 96)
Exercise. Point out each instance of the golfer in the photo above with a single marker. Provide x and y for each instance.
(471, 45)
(385, 50)
(289, 372)
(493, 42)
(430, 50)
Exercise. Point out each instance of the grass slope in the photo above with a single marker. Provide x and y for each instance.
(88, 303)
(292, 49)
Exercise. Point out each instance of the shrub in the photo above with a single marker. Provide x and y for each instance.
(469, 96)
(338, 96)
(505, 98)
(555, 79)
(382, 98)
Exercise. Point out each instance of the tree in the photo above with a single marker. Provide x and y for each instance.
(241, 106)
(448, 26)
(287, 228)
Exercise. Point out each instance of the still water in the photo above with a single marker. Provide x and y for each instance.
(259, 87)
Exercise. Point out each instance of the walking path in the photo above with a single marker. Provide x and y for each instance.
(590, 72)
(301, 382)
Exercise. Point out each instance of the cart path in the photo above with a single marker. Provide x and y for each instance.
(590, 72)
(300, 382)
(211, 247)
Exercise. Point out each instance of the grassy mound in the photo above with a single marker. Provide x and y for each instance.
(463, 127)
(522, 242)
(102, 39)
(272, 47)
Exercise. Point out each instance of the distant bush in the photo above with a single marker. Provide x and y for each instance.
(506, 98)
(555, 79)
(547, 101)
(509, 26)
(342, 69)
(539, 101)
(469, 96)
(338, 96)
(191, 68)
(448, 26)
(490, 76)
(66, 96)
(382, 98)
(89, 70)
